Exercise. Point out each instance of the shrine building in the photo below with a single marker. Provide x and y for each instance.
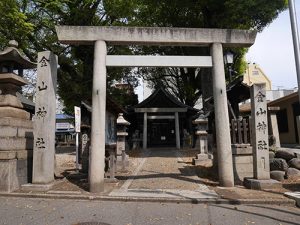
(162, 120)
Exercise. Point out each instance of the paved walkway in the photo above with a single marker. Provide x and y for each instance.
(163, 173)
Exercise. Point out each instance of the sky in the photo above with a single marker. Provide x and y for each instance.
(273, 51)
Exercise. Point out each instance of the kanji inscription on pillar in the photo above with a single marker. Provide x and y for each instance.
(260, 132)
(44, 119)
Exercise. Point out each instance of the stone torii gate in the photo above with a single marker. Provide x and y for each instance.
(216, 39)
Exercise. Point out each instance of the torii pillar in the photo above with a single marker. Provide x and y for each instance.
(97, 154)
(225, 165)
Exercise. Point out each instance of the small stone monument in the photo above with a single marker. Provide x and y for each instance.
(85, 145)
(122, 158)
(136, 140)
(260, 142)
(298, 126)
(187, 139)
(273, 126)
(202, 140)
(16, 128)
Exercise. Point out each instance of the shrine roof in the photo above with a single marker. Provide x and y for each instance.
(293, 96)
(62, 116)
(237, 91)
(111, 106)
(160, 98)
(27, 103)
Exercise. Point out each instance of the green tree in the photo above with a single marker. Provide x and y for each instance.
(230, 14)
(32, 24)
(14, 23)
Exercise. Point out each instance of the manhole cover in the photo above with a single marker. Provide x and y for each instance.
(92, 223)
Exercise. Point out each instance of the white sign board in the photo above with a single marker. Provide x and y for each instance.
(77, 118)
(62, 126)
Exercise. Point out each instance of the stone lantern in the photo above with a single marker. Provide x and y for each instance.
(202, 140)
(16, 128)
(122, 158)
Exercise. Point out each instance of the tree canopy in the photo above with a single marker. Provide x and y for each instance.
(32, 24)
(230, 14)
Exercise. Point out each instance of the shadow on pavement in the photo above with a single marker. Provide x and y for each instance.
(258, 214)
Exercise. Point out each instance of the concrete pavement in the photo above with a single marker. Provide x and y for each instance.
(60, 211)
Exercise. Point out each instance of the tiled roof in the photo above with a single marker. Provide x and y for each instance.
(161, 98)
(63, 116)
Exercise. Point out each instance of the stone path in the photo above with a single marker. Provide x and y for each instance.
(163, 173)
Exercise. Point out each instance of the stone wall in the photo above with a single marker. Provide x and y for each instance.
(16, 138)
(242, 162)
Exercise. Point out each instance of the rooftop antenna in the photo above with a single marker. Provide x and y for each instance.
(279, 87)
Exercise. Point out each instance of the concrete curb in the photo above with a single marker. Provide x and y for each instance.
(286, 202)
(295, 196)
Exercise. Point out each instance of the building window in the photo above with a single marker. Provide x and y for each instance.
(255, 72)
(282, 120)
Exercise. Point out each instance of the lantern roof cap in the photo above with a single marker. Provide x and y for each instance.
(202, 118)
(12, 54)
(121, 120)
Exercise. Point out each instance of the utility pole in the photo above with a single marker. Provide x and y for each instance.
(295, 34)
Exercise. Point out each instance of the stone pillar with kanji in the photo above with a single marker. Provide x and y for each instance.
(44, 121)
(260, 132)
(260, 140)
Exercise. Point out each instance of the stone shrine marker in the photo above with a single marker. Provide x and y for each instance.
(260, 141)
(44, 120)
(260, 132)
